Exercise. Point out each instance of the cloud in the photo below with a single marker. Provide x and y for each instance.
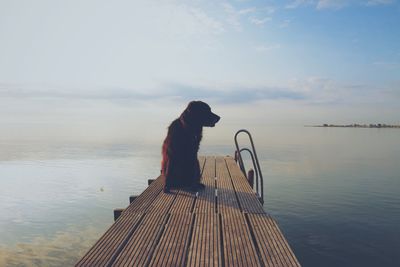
(185, 20)
(285, 23)
(331, 4)
(311, 90)
(235, 94)
(177, 91)
(259, 22)
(24, 91)
(298, 3)
(247, 11)
(335, 4)
(379, 2)
(387, 64)
(325, 91)
(210, 24)
(268, 47)
(232, 16)
(268, 9)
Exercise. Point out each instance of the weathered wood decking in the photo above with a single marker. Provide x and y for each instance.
(223, 225)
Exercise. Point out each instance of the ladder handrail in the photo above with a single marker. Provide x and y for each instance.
(254, 166)
(257, 164)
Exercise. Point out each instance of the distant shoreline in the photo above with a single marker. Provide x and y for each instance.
(379, 125)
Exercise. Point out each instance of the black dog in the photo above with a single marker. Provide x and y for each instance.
(180, 166)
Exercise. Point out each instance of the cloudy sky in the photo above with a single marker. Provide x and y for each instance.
(78, 67)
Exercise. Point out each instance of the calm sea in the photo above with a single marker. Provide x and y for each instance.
(334, 192)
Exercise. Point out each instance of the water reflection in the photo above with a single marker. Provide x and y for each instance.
(61, 249)
(334, 192)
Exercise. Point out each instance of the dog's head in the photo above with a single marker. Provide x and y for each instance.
(199, 113)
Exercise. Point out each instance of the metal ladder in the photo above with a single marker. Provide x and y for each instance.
(256, 164)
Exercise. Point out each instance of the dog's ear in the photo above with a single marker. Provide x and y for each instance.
(189, 114)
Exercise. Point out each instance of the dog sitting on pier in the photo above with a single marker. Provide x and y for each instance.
(180, 167)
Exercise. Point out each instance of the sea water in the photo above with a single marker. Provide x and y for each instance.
(335, 193)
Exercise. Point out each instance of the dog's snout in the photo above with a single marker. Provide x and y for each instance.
(216, 118)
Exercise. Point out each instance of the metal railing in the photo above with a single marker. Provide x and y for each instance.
(256, 164)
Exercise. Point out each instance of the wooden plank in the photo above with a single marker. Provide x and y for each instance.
(162, 203)
(205, 249)
(174, 242)
(202, 160)
(117, 235)
(143, 201)
(226, 197)
(273, 247)
(186, 199)
(209, 169)
(139, 247)
(238, 247)
(205, 202)
(248, 199)
(107, 247)
(183, 203)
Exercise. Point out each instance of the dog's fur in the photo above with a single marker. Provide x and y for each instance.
(180, 166)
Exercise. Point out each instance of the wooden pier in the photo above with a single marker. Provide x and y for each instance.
(223, 225)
